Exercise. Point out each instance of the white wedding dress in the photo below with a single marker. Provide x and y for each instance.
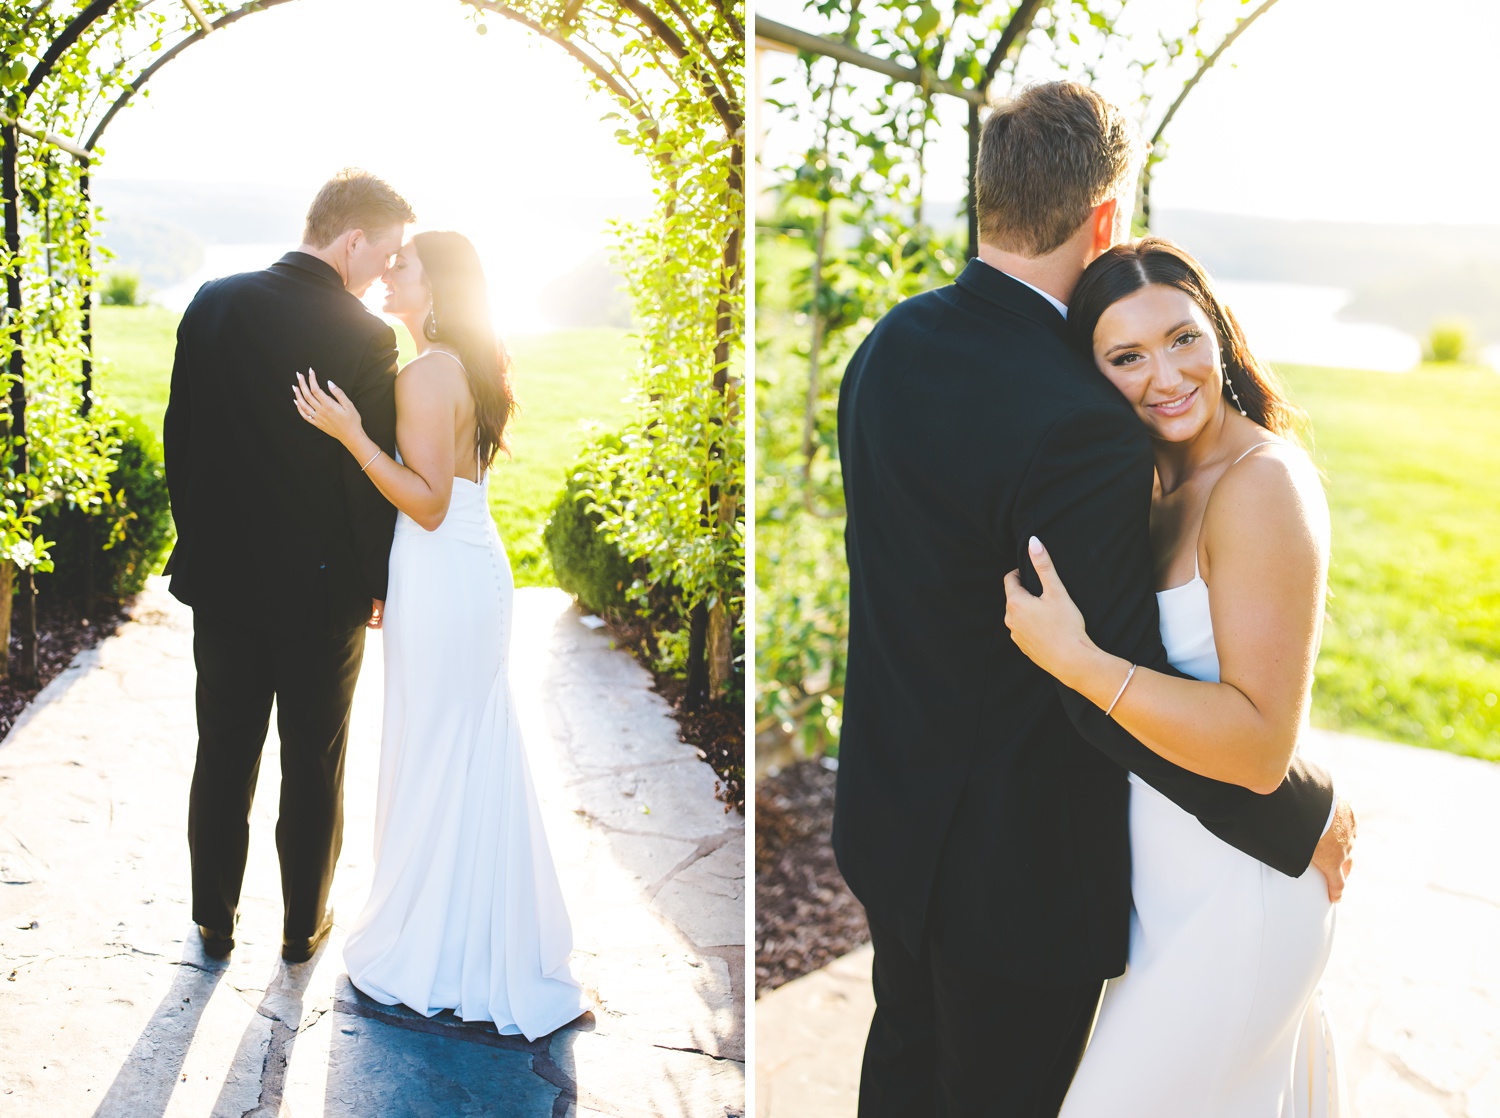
(465, 912)
(1218, 1014)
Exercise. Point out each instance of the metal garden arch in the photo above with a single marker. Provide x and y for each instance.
(674, 66)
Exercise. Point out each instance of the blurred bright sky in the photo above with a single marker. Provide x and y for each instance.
(496, 136)
(1352, 110)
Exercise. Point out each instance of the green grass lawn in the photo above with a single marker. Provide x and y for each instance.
(1411, 651)
(563, 380)
(133, 347)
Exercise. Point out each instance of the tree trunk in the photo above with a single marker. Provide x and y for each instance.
(696, 690)
(10, 199)
(720, 648)
(87, 557)
(7, 589)
(86, 380)
(710, 640)
(27, 670)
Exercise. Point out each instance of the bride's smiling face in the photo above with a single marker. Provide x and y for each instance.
(406, 290)
(1160, 350)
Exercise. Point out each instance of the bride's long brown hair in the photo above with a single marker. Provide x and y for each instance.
(461, 318)
(1126, 269)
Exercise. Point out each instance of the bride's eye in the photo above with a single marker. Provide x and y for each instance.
(1124, 359)
(1188, 336)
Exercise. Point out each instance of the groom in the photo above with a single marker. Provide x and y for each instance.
(282, 545)
(982, 808)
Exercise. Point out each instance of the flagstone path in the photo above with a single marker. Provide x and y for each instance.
(1413, 986)
(108, 1006)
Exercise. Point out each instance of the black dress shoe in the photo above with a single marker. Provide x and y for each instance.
(216, 944)
(301, 950)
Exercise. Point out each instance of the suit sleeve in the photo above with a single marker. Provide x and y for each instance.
(372, 519)
(1087, 496)
(177, 428)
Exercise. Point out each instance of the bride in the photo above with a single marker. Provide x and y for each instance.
(1217, 1014)
(465, 912)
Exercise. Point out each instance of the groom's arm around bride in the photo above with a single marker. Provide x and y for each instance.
(1087, 488)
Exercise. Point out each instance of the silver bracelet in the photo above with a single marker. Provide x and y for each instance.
(1121, 691)
(368, 464)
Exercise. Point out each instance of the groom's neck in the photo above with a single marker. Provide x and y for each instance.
(327, 257)
(1057, 273)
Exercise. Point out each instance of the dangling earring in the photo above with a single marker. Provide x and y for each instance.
(1229, 384)
(429, 327)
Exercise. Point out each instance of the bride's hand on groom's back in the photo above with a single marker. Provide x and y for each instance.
(1048, 627)
(329, 410)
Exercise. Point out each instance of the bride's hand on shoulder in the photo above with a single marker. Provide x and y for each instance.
(330, 411)
(1048, 628)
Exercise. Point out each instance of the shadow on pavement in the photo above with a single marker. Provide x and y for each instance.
(281, 1005)
(392, 1061)
(144, 1084)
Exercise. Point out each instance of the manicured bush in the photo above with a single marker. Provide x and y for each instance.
(121, 289)
(127, 537)
(1449, 341)
(587, 565)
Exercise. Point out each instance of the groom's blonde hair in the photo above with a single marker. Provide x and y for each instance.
(353, 199)
(1047, 157)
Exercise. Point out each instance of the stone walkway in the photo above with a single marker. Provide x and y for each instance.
(110, 1008)
(1413, 986)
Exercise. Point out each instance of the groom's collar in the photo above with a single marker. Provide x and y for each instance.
(312, 265)
(994, 286)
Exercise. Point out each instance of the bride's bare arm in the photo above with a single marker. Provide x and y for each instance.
(1266, 534)
(428, 395)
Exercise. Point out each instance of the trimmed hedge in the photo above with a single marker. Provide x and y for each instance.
(587, 565)
(139, 498)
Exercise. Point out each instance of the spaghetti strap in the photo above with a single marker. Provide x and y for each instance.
(1236, 462)
(452, 356)
(1257, 446)
(1197, 573)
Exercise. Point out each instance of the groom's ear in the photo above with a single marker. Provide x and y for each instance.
(1104, 224)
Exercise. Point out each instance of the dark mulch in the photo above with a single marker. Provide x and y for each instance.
(717, 728)
(805, 916)
(61, 635)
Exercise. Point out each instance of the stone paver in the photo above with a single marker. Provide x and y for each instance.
(1413, 986)
(110, 1008)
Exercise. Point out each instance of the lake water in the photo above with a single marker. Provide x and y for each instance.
(1296, 324)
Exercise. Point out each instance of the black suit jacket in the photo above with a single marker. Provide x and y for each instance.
(969, 780)
(275, 522)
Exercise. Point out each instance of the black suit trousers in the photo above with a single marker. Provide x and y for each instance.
(950, 1042)
(311, 677)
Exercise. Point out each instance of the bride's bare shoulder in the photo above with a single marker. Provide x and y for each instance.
(431, 374)
(1274, 495)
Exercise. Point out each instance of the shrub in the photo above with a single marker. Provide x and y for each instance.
(672, 651)
(121, 289)
(127, 537)
(587, 565)
(1450, 340)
